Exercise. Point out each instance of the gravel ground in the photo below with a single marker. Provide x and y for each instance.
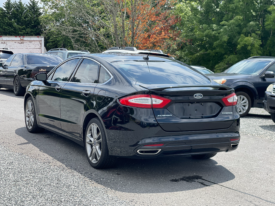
(259, 124)
(25, 181)
(47, 169)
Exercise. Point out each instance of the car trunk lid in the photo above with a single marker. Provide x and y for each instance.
(194, 108)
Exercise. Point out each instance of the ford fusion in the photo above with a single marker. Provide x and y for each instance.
(133, 105)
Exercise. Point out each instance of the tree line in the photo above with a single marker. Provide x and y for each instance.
(211, 33)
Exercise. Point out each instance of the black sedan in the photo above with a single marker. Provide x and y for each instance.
(269, 101)
(19, 70)
(130, 105)
(249, 78)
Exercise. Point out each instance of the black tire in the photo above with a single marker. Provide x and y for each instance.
(203, 156)
(104, 160)
(18, 90)
(273, 117)
(243, 94)
(32, 128)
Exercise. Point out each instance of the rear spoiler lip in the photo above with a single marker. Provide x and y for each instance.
(186, 86)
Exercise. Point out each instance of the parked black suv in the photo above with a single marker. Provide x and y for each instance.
(249, 78)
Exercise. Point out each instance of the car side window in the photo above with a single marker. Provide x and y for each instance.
(87, 72)
(8, 61)
(64, 72)
(271, 68)
(17, 61)
(104, 76)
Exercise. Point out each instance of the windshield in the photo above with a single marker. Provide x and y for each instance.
(46, 59)
(251, 67)
(160, 72)
(73, 54)
(4, 55)
(203, 70)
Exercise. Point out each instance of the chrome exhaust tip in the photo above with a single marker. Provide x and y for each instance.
(148, 151)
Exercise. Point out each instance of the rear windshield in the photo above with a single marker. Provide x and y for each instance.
(161, 72)
(46, 59)
(4, 55)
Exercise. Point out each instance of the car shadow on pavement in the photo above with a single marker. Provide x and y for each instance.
(268, 127)
(167, 174)
(9, 92)
(264, 116)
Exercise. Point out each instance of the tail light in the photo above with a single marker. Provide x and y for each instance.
(145, 101)
(153, 145)
(230, 100)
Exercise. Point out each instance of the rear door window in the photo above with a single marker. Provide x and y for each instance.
(104, 76)
(64, 72)
(160, 72)
(87, 72)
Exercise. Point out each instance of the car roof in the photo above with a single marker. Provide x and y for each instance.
(125, 56)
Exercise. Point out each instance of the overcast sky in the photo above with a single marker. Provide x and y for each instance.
(3, 1)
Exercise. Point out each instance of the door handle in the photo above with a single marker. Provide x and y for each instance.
(57, 88)
(86, 93)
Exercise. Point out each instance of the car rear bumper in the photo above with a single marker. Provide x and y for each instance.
(269, 103)
(185, 145)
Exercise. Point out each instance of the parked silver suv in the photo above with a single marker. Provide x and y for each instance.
(64, 53)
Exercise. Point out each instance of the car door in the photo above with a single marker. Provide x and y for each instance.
(265, 82)
(12, 70)
(78, 97)
(48, 98)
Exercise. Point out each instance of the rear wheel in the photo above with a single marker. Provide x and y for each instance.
(30, 117)
(273, 117)
(96, 146)
(244, 103)
(17, 88)
(204, 156)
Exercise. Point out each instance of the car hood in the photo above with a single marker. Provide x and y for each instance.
(227, 76)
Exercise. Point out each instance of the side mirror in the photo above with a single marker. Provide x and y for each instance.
(41, 77)
(4, 66)
(269, 74)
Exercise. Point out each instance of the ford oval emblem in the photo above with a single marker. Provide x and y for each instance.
(198, 96)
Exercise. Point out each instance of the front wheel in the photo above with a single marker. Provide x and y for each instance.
(17, 88)
(204, 156)
(96, 146)
(273, 117)
(244, 103)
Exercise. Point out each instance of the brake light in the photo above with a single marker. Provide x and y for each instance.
(233, 140)
(145, 101)
(230, 100)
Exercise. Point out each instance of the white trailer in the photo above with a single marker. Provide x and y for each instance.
(23, 44)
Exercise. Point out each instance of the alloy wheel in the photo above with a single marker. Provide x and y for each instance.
(242, 104)
(29, 114)
(93, 143)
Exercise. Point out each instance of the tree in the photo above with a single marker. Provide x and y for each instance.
(217, 34)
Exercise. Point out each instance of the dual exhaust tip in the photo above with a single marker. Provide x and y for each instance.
(148, 151)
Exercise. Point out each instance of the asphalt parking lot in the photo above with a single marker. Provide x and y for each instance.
(47, 169)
